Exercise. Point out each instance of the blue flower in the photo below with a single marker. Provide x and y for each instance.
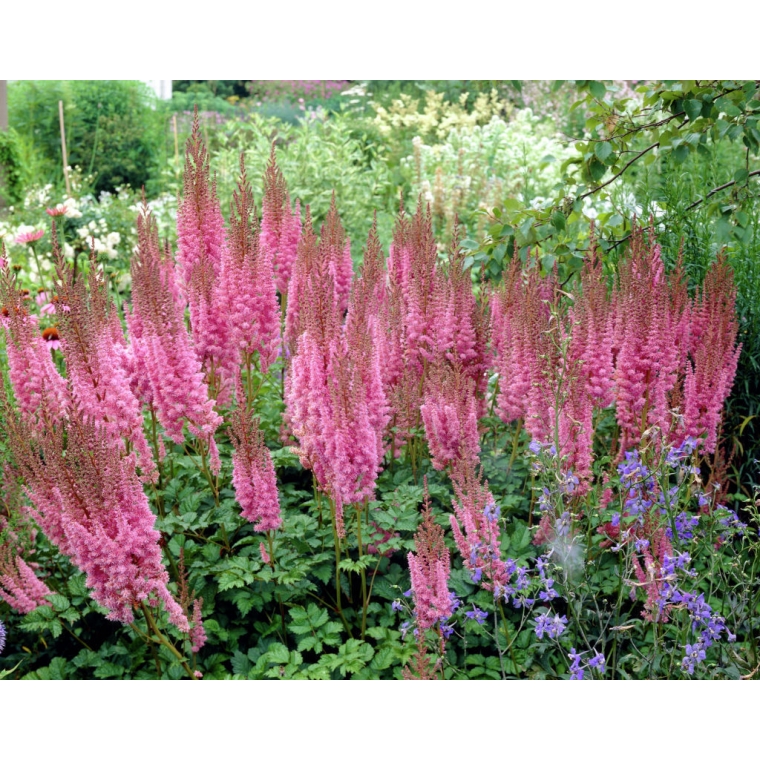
(492, 511)
(479, 616)
(597, 661)
(576, 671)
(2, 637)
(397, 606)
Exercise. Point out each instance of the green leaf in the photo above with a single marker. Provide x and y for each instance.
(60, 603)
(693, 109)
(680, 154)
(603, 150)
(558, 220)
(741, 175)
(596, 169)
(597, 89)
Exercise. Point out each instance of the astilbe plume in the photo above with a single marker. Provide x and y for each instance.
(41, 393)
(247, 287)
(202, 247)
(592, 332)
(475, 525)
(710, 370)
(312, 295)
(165, 363)
(88, 500)
(253, 475)
(19, 586)
(336, 252)
(461, 323)
(280, 227)
(429, 569)
(187, 600)
(334, 393)
(449, 413)
(651, 324)
(512, 355)
(94, 349)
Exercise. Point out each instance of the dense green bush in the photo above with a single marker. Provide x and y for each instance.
(113, 130)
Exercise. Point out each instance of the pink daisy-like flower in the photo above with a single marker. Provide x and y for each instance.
(50, 336)
(29, 237)
(58, 210)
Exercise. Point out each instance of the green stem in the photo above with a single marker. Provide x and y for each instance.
(359, 511)
(152, 624)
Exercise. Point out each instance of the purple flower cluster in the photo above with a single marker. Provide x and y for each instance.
(577, 670)
(553, 627)
(2, 636)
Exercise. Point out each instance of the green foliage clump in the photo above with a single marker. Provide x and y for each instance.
(113, 129)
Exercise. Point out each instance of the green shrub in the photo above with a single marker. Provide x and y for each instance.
(113, 130)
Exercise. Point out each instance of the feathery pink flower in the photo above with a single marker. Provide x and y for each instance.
(449, 413)
(40, 391)
(89, 501)
(253, 474)
(710, 370)
(429, 569)
(94, 348)
(247, 285)
(476, 527)
(280, 227)
(197, 632)
(202, 242)
(166, 369)
(19, 586)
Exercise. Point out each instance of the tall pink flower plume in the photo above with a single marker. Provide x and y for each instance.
(88, 500)
(476, 527)
(247, 286)
(164, 359)
(449, 413)
(713, 355)
(429, 569)
(41, 393)
(334, 391)
(202, 242)
(312, 295)
(280, 227)
(650, 315)
(94, 348)
(19, 586)
(336, 252)
(197, 632)
(253, 474)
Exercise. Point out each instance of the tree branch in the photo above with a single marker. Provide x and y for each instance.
(718, 189)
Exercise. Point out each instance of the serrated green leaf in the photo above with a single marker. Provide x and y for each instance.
(603, 150)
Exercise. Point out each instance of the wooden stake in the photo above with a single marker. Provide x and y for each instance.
(63, 149)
